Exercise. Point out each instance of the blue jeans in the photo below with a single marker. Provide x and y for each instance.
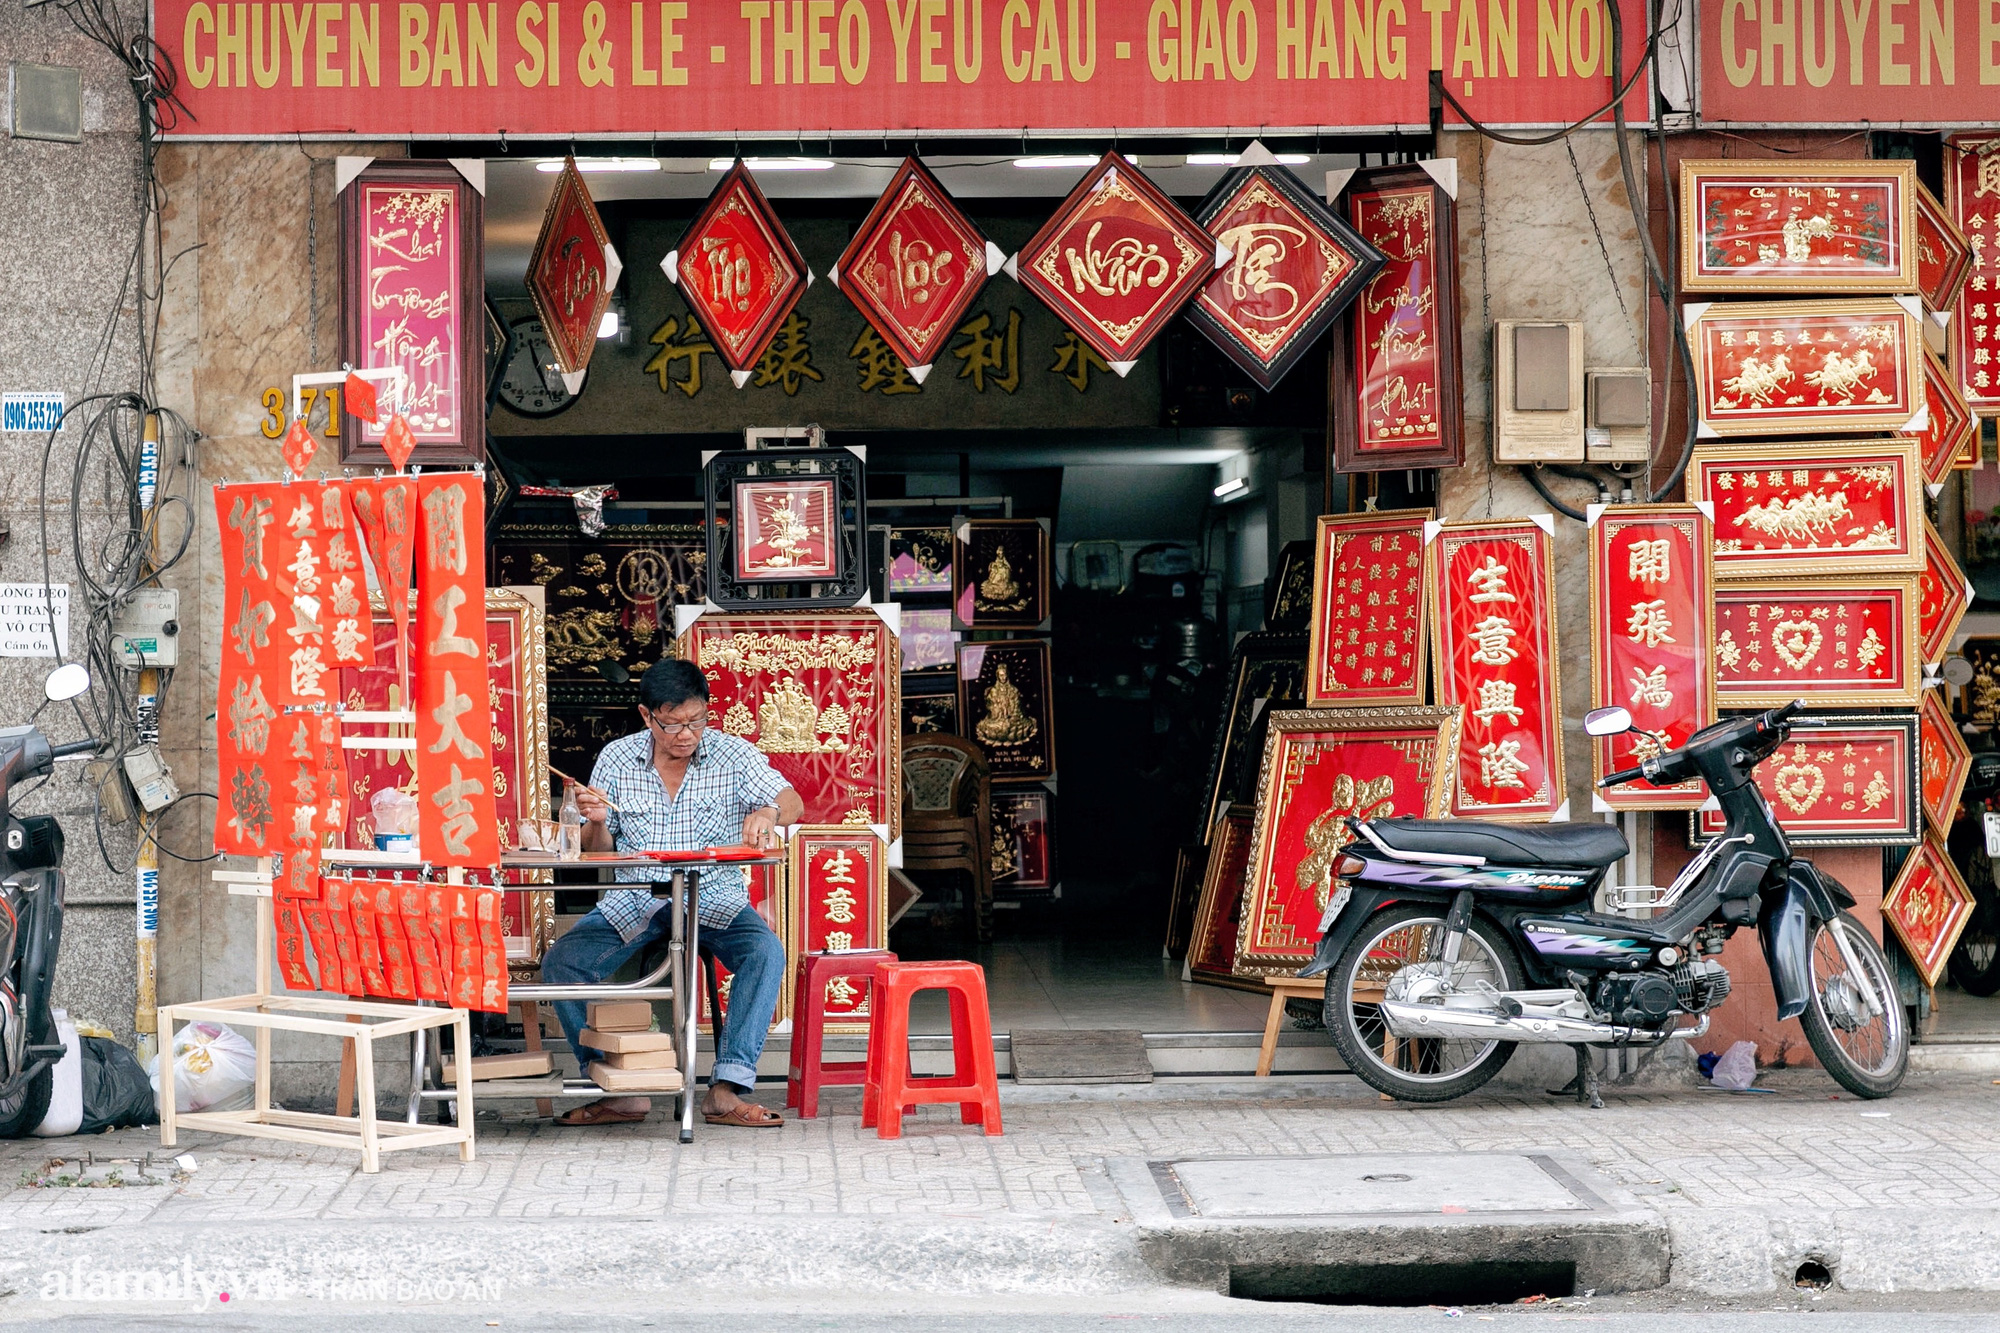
(592, 951)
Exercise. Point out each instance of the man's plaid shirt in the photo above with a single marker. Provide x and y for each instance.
(727, 779)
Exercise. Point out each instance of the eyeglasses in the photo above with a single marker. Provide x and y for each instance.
(679, 728)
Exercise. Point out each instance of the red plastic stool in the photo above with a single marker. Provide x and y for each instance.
(891, 1088)
(809, 1071)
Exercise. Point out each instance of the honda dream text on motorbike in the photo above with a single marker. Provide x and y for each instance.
(1447, 943)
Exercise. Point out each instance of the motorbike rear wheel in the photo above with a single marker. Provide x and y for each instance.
(1414, 1069)
(27, 1108)
(1867, 1053)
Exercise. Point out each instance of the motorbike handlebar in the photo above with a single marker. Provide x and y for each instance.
(88, 745)
(1622, 775)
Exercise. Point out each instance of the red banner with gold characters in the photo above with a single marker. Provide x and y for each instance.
(1850, 781)
(254, 678)
(1806, 367)
(769, 891)
(1928, 907)
(1493, 622)
(1321, 767)
(386, 509)
(1943, 596)
(1828, 507)
(840, 886)
(915, 266)
(1798, 225)
(1943, 257)
(820, 695)
(1831, 641)
(1652, 640)
(1944, 762)
(1368, 640)
(738, 271)
(457, 824)
(1972, 201)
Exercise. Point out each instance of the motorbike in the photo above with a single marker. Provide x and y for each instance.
(1975, 959)
(31, 914)
(1446, 944)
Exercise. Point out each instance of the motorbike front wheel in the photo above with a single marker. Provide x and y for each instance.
(27, 1108)
(1414, 1069)
(1865, 1047)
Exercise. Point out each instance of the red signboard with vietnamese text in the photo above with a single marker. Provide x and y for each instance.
(1908, 62)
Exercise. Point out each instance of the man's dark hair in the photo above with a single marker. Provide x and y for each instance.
(671, 682)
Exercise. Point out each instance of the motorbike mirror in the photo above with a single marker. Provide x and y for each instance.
(1607, 721)
(1957, 671)
(67, 682)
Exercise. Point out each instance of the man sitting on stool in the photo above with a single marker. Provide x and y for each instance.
(679, 786)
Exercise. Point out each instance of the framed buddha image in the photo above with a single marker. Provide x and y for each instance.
(785, 530)
(1000, 573)
(1004, 704)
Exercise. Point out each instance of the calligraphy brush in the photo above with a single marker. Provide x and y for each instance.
(585, 786)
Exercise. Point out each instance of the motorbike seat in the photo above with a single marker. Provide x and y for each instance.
(1590, 845)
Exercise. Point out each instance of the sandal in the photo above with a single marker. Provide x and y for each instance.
(745, 1115)
(597, 1113)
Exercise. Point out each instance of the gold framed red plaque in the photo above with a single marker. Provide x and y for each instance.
(1850, 781)
(1821, 507)
(820, 694)
(1798, 225)
(1944, 595)
(1218, 916)
(1806, 367)
(1928, 907)
(915, 266)
(1117, 261)
(1944, 260)
(1950, 430)
(1972, 202)
(412, 294)
(786, 530)
(1944, 762)
(1368, 632)
(840, 893)
(1830, 640)
(738, 271)
(1652, 637)
(1493, 628)
(1394, 399)
(1321, 767)
(573, 271)
(1294, 267)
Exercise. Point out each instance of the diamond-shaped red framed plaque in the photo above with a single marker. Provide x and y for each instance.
(1118, 260)
(1948, 423)
(1944, 259)
(738, 271)
(915, 266)
(573, 271)
(1294, 266)
(1928, 908)
(1944, 595)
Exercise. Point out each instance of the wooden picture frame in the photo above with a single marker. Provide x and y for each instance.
(1370, 638)
(413, 279)
(1267, 667)
(1404, 213)
(1798, 225)
(735, 475)
(1777, 640)
(1943, 764)
(1928, 907)
(1859, 366)
(1820, 507)
(1288, 593)
(1806, 784)
(929, 713)
(739, 271)
(1652, 640)
(1218, 915)
(1190, 868)
(1944, 595)
(1027, 814)
(1000, 573)
(1494, 650)
(1006, 703)
(915, 266)
(930, 644)
(785, 531)
(919, 561)
(1320, 767)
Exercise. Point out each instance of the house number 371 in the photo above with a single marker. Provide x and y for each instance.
(273, 424)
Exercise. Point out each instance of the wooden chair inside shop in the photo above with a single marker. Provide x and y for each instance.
(948, 817)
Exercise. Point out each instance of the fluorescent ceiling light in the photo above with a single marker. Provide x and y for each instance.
(773, 164)
(608, 326)
(1231, 487)
(1229, 159)
(1055, 160)
(595, 164)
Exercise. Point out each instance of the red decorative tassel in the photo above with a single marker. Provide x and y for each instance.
(359, 397)
(298, 448)
(398, 440)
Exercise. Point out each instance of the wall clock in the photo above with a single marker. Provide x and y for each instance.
(531, 383)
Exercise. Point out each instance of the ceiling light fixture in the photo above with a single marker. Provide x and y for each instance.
(1230, 159)
(773, 164)
(1233, 486)
(608, 326)
(590, 165)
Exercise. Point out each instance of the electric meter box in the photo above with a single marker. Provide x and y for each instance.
(1618, 414)
(1537, 391)
(145, 632)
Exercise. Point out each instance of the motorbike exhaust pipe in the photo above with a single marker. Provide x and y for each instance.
(1429, 1020)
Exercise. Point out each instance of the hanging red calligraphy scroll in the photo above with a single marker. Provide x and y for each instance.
(1928, 908)
(1806, 367)
(1972, 201)
(1798, 226)
(573, 271)
(840, 895)
(819, 694)
(915, 266)
(454, 750)
(386, 509)
(254, 678)
(1829, 641)
(1652, 639)
(1829, 507)
(1950, 431)
(738, 271)
(1117, 261)
(1850, 780)
(1493, 619)
(1943, 258)
(1368, 632)
(1943, 596)
(1393, 364)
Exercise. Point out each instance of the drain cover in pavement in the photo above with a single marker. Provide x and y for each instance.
(1060, 1055)
(1371, 1185)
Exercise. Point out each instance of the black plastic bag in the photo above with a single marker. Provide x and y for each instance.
(116, 1091)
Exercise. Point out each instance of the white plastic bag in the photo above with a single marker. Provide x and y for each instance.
(215, 1069)
(1737, 1069)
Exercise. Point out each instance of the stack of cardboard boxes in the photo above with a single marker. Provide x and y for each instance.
(636, 1058)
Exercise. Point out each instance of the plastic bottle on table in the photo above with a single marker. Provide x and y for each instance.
(571, 819)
